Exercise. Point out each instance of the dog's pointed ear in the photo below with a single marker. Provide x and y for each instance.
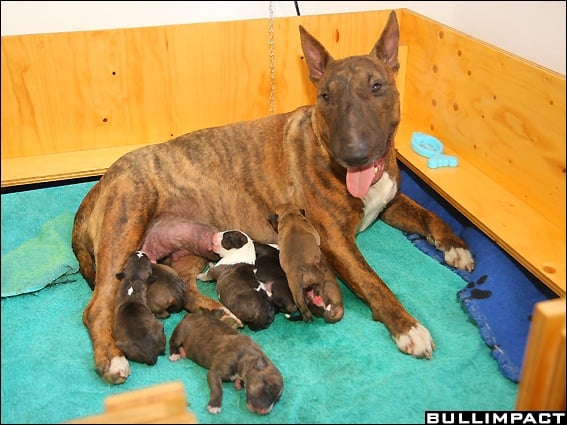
(316, 56)
(386, 48)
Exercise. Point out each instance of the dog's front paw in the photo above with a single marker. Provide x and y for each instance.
(416, 342)
(118, 371)
(460, 258)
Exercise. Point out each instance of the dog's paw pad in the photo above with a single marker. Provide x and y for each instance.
(416, 342)
(460, 258)
(118, 371)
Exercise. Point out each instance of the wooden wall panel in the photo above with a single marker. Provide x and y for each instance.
(90, 90)
(500, 113)
(78, 91)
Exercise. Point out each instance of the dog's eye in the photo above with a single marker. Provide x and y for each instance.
(376, 88)
(324, 97)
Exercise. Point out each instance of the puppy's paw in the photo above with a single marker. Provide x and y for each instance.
(203, 277)
(174, 357)
(230, 319)
(416, 342)
(460, 258)
(212, 409)
(118, 371)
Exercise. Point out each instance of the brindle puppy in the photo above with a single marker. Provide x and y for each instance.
(240, 291)
(229, 356)
(166, 291)
(335, 158)
(138, 333)
(300, 255)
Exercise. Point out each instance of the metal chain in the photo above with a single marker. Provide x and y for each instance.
(272, 60)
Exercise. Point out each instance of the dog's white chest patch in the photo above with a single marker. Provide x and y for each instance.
(378, 196)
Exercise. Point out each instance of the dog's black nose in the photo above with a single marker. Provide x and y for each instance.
(355, 157)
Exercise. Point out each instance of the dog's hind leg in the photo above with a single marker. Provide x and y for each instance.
(111, 249)
(407, 215)
(110, 362)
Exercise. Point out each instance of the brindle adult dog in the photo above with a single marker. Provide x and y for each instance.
(335, 159)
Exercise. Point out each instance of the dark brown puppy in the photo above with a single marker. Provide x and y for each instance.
(300, 255)
(335, 158)
(325, 300)
(166, 291)
(138, 333)
(240, 291)
(229, 356)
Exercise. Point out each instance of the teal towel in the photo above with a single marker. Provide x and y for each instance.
(41, 261)
(348, 372)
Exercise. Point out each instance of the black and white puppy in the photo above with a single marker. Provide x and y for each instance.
(138, 333)
(272, 278)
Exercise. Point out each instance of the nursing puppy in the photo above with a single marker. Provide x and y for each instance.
(236, 283)
(325, 300)
(166, 291)
(300, 255)
(240, 291)
(336, 158)
(138, 333)
(234, 246)
(229, 356)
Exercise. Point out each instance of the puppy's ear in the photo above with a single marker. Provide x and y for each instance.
(273, 219)
(261, 363)
(120, 275)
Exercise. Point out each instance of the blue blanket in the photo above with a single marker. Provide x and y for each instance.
(499, 295)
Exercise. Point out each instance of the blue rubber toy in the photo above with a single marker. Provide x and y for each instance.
(431, 148)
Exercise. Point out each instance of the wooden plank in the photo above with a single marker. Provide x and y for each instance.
(60, 166)
(169, 392)
(542, 382)
(528, 236)
(161, 403)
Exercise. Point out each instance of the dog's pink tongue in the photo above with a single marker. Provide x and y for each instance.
(358, 180)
